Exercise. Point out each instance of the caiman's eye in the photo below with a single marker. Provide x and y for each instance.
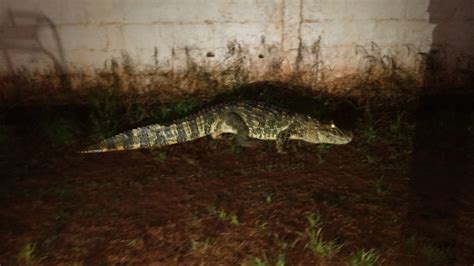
(333, 126)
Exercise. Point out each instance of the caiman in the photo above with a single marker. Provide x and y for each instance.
(248, 120)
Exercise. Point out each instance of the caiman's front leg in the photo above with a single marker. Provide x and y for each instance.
(237, 125)
(282, 139)
(234, 120)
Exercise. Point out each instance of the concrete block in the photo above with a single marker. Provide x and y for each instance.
(377, 9)
(63, 11)
(26, 5)
(197, 11)
(104, 11)
(417, 10)
(343, 32)
(356, 9)
(89, 60)
(85, 37)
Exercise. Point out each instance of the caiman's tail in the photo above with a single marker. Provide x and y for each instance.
(154, 136)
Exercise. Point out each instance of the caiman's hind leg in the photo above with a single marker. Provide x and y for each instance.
(236, 122)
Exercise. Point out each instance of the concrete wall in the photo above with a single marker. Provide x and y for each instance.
(283, 35)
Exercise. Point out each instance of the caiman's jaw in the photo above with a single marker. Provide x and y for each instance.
(328, 134)
(343, 138)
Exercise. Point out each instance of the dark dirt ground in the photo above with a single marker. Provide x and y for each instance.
(209, 202)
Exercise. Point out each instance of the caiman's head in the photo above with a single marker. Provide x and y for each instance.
(316, 132)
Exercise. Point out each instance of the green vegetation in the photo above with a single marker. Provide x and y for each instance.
(223, 215)
(60, 131)
(380, 187)
(255, 261)
(435, 255)
(367, 127)
(105, 115)
(177, 110)
(62, 192)
(110, 113)
(133, 243)
(5, 134)
(159, 156)
(364, 258)
(321, 247)
(316, 243)
(201, 246)
(269, 197)
(27, 254)
(322, 148)
(410, 244)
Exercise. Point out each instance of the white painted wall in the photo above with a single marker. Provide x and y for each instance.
(159, 33)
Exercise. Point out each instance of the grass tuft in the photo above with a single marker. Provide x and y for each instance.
(364, 258)
(435, 255)
(60, 131)
(27, 254)
(316, 243)
(222, 215)
(281, 261)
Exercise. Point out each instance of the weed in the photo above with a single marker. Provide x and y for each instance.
(269, 197)
(223, 215)
(60, 131)
(234, 220)
(370, 159)
(212, 209)
(160, 156)
(316, 242)
(133, 243)
(105, 115)
(368, 131)
(63, 193)
(400, 134)
(332, 198)
(201, 246)
(314, 220)
(322, 149)
(27, 253)
(261, 225)
(410, 244)
(379, 186)
(320, 247)
(135, 113)
(392, 219)
(364, 258)
(382, 72)
(395, 125)
(281, 261)
(259, 262)
(235, 147)
(435, 255)
(177, 110)
(60, 215)
(5, 134)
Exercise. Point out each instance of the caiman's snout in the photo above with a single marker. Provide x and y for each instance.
(341, 137)
(346, 137)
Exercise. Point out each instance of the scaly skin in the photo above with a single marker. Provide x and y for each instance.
(246, 119)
